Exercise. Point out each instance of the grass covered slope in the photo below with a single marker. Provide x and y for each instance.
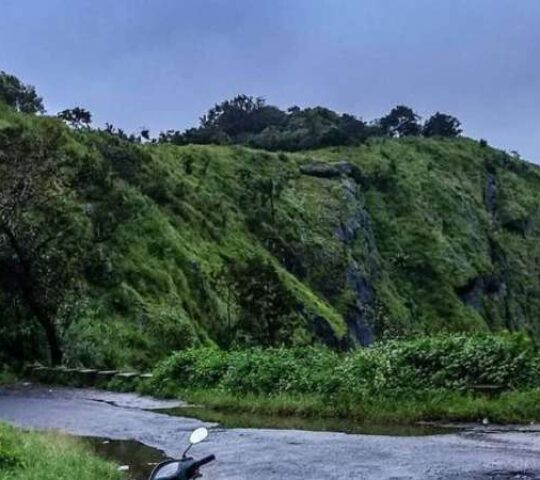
(32, 456)
(207, 245)
(455, 227)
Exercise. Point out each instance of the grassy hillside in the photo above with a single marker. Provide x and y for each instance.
(346, 244)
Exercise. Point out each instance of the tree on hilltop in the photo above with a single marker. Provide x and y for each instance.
(442, 125)
(77, 117)
(242, 114)
(19, 96)
(400, 122)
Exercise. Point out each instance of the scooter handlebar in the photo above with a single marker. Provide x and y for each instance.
(203, 461)
(195, 465)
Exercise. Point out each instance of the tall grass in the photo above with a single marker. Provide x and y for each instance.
(48, 456)
(436, 406)
(429, 378)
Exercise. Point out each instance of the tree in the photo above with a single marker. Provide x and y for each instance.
(19, 96)
(145, 133)
(246, 120)
(42, 231)
(76, 117)
(221, 281)
(400, 122)
(442, 125)
(242, 114)
(354, 129)
(311, 128)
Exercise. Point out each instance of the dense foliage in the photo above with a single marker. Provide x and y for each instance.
(404, 368)
(116, 251)
(76, 117)
(19, 96)
(400, 122)
(42, 229)
(442, 125)
(250, 121)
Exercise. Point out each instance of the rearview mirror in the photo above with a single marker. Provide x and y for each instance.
(198, 435)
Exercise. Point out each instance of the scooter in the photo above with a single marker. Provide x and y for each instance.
(187, 467)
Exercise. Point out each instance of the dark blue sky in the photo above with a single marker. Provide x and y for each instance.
(162, 63)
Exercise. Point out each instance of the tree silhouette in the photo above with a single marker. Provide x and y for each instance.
(76, 117)
(442, 125)
(400, 122)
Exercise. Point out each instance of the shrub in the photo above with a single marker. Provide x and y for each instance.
(196, 367)
(281, 370)
(446, 363)
(455, 362)
(10, 454)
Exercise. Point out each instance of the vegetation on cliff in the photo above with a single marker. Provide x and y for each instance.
(116, 252)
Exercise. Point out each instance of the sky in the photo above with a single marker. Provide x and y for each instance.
(161, 64)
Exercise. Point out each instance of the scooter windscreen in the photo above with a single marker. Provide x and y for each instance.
(166, 471)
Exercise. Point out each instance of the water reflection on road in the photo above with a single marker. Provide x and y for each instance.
(229, 419)
(137, 458)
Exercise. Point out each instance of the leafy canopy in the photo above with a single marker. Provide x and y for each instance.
(19, 96)
(442, 125)
(43, 232)
(245, 120)
(400, 122)
(76, 117)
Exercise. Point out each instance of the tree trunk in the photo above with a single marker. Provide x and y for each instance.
(55, 352)
(45, 319)
(26, 284)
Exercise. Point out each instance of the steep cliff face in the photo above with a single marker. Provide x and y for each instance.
(395, 237)
(433, 235)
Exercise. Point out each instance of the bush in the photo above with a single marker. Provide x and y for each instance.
(196, 367)
(281, 370)
(10, 454)
(6, 374)
(454, 363)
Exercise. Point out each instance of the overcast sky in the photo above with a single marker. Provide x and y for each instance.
(163, 63)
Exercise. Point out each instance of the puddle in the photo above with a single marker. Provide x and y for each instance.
(249, 420)
(501, 475)
(140, 458)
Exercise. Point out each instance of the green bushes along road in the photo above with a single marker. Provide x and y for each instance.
(428, 378)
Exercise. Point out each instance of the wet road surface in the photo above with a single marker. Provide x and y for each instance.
(264, 454)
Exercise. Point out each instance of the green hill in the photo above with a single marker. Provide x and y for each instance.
(170, 246)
